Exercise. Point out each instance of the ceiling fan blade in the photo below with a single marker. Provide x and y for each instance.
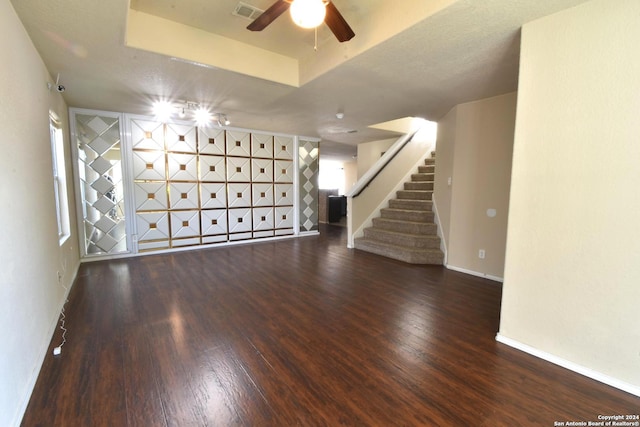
(269, 15)
(337, 24)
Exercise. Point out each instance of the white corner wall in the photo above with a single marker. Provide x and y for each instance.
(572, 275)
(30, 295)
(475, 145)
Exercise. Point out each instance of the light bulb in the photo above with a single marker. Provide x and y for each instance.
(308, 13)
(202, 116)
(162, 110)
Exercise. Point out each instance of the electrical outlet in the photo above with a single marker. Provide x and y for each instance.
(481, 254)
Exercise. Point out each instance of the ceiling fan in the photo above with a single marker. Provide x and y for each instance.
(325, 12)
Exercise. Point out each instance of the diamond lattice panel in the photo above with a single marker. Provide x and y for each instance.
(147, 135)
(239, 195)
(150, 196)
(213, 168)
(105, 224)
(181, 138)
(238, 144)
(211, 141)
(214, 222)
(101, 165)
(262, 145)
(183, 195)
(103, 185)
(100, 174)
(283, 147)
(213, 195)
(104, 204)
(152, 226)
(239, 220)
(182, 167)
(262, 194)
(185, 224)
(149, 166)
(238, 169)
(101, 145)
(309, 190)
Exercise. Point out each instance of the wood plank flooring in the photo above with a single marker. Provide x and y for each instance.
(300, 332)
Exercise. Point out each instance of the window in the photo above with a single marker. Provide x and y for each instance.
(59, 178)
(332, 176)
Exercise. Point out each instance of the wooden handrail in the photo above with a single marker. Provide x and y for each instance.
(373, 172)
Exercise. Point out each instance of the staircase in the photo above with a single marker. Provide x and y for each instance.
(406, 230)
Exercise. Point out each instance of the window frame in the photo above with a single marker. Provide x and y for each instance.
(60, 192)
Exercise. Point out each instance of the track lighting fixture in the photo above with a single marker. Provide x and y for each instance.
(221, 119)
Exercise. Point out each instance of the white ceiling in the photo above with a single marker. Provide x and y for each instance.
(409, 58)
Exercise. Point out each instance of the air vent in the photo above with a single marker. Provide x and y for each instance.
(247, 11)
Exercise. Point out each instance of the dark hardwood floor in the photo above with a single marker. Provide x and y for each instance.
(297, 332)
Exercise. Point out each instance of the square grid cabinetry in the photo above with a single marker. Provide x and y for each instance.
(201, 185)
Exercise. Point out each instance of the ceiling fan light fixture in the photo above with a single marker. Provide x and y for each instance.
(308, 13)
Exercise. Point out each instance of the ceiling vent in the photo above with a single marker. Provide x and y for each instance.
(247, 11)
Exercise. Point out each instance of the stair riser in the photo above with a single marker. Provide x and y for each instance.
(400, 255)
(418, 205)
(426, 169)
(420, 185)
(414, 195)
(430, 161)
(405, 227)
(411, 241)
(422, 177)
(405, 215)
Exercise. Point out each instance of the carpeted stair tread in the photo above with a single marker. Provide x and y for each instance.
(419, 185)
(405, 226)
(401, 253)
(430, 241)
(424, 205)
(407, 214)
(415, 194)
(428, 169)
(422, 177)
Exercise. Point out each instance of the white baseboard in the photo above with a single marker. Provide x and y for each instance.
(590, 373)
(44, 347)
(475, 273)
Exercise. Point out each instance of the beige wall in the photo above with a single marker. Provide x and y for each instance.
(444, 170)
(350, 175)
(370, 152)
(30, 295)
(475, 143)
(572, 275)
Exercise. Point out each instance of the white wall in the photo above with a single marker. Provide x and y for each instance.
(572, 275)
(475, 145)
(30, 295)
